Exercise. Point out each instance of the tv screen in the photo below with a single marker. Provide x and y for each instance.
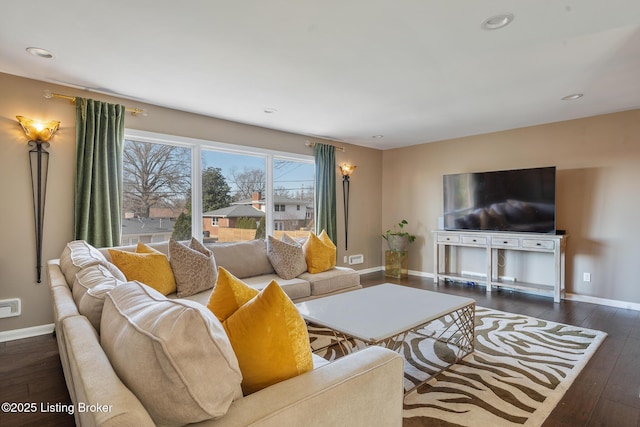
(521, 200)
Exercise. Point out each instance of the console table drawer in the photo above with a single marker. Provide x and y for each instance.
(448, 238)
(507, 242)
(535, 243)
(474, 240)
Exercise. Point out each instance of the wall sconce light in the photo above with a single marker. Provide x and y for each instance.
(346, 170)
(39, 134)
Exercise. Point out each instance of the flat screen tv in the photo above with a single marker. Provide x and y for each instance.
(521, 200)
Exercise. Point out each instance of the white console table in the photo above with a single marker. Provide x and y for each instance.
(494, 244)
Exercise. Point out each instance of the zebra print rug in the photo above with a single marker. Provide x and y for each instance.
(519, 371)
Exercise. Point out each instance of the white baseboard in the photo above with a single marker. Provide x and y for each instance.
(603, 301)
(18, 334)
(420, 273)
(370, 270)
(571, 297)
(381, 268)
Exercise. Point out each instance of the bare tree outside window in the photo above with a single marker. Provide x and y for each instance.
(155, 176)
(248, 181)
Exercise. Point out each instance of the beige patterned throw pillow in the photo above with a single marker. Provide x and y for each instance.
(286, 256)
(194, 267)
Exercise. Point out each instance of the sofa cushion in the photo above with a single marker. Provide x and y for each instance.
(319, 252)
(270, 339)
(295, 288)
(79, 254)
(243, 259)
(229, 294)
(89, 290)
(194, 267)
(286, 256)
(173, 354)
(336, 279)
(146, 265)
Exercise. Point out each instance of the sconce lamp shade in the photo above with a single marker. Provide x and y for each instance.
(38, 131)
(347, 169)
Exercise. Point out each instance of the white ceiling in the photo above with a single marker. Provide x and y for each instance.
(413, 71)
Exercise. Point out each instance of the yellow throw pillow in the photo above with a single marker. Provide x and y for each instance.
(228, 295)
(141, 248)
(146, 265)
(319, 252)
(270, 339)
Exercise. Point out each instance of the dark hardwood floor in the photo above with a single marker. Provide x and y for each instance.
(606, 393)
(31, 373)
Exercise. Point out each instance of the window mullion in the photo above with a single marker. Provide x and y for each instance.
(269, 196)
(196, 192)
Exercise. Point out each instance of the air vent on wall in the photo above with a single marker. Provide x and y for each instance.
(10, 307)
(356, 259)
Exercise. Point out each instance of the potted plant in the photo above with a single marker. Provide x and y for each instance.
(398, 239)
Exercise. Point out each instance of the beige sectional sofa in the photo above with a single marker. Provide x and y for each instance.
(249, 261)
(362, 389)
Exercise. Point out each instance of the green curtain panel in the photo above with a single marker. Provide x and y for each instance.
(98, 189)
(325, 212)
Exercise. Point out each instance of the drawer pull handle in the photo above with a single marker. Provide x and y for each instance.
(504, 243)
(539, 244)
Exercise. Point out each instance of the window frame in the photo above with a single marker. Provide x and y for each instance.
(197, 146)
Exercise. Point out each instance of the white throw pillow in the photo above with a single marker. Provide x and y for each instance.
(79, 254)
(173, 354)
(89, 289)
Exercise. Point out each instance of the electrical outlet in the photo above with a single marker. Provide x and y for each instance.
(586, 277)
(345, 259)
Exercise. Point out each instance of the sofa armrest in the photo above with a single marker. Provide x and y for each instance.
(62, 299)
(362, 389)
(96, 383)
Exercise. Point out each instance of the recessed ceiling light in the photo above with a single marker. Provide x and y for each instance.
(377, 136)
(270, 110)
(40, 53)
(496, 22)
(572, 96)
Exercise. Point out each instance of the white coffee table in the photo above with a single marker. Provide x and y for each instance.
(385, 314)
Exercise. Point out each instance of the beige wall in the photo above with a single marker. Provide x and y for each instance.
(598, 192)
(598, 163)
(17, 253)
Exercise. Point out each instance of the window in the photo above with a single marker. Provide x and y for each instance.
(293, 183)
(234, 185)
(156, 187)
(213, 191)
